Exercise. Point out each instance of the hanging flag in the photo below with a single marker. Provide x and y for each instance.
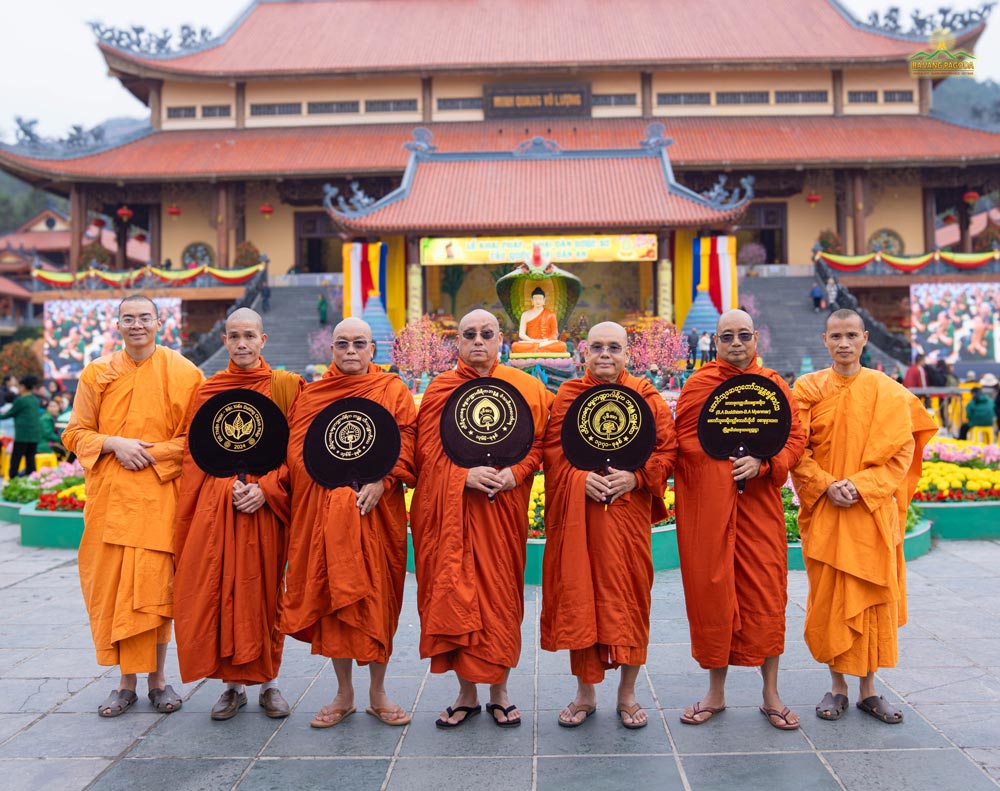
(364, 275)
(722, 271)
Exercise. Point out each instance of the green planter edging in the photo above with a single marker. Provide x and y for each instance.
(61, 529)
(10, 512)
(915, 544)
(963, 521)
(664, 542)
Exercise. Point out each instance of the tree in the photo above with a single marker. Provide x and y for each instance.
(421, 348)
(658, 344)
(451, 282)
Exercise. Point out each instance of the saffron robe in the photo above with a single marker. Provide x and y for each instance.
(597, 573)
(733, 547)
(469, 552)
(545, 326)
(344, 586)
(126, 553)
(871, 430)
(231, 565)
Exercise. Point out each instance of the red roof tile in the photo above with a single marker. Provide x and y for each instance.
(566, 194)
(9, 288)
(371, 36)
(57, 241)
(770, 142)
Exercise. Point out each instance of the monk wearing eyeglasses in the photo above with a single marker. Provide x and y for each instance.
(347, 548)
(128, 429)
(469, 551)
(733, 547)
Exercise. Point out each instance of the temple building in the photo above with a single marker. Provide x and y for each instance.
(433, 142)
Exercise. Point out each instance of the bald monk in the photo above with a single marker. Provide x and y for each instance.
(347, 556)
(539, 328)
(598, 566)
(230, 546)
(470, 552)
(733, 547)
(127, 429)
(854, 487)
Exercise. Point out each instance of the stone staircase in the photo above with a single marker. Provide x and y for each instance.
(288, 323)
(784, 315)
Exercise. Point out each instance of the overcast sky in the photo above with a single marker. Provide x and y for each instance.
(51, 70)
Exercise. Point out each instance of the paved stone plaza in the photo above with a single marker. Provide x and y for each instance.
(948, 681)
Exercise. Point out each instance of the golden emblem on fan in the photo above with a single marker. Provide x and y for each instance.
(486, 415)
(609, 420)
(350, 435)
(237, 427)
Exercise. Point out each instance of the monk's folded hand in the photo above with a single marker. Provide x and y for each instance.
(507, 476)
(249, 499)
(620, 481)
(131, 453)
(369, 495)
(839, 495)
(484, 479)
(598, 489)
(745, 467)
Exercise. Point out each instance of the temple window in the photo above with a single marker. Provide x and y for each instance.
(683, 98)
(279, 108)
(862, 97)
(182, 112)
(323, 108)
(742, 97)
(216, 110)
(613, 100)
(896, 97)
(800, 97)
(470, 103)
(390, 105)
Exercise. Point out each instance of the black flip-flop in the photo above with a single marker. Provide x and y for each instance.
(117, 703)
(493, 707)
(880, 709)
(832, 707)
(469, 711)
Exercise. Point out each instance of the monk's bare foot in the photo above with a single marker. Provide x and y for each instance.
(467, 699)
(705, 708)
(385, 709)
(336, 709)
(499, 697)
(626, 704)
(583, 704)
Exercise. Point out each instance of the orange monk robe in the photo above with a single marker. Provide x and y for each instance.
(230, 565)
(469, 552)
(870, 429)
(598, 565)
(344, 586)
(126, 553)
(733, 547)
(544, 326)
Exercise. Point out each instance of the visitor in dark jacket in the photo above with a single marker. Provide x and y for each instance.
(27, 427)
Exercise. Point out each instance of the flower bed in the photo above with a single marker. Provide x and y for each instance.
(49, 505)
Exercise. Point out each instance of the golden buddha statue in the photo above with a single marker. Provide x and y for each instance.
(539, 329)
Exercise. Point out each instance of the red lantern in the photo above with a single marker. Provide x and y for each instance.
(950, 219)
(140, 237)
(99, 222)
(812, 199)
(125, 214)
(971, 197)
(267, 210)
(174, 211)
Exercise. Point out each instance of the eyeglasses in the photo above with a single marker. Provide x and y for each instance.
(470, 335)
(611, 348)
(359, 345)
(130, 321)
(728, 337)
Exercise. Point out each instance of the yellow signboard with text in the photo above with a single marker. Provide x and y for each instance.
(560, 249)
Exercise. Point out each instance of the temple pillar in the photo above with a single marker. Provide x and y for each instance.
(240, 211)
(156, 105)
(77, 224)
(665, 287)
(840, 204)
(924, 94)
(155, 233)
(427, 99)
(241, 105)
(222, 214)
(858, 209)
(646, 94)
(838, 92)
(929, 213)
(414, 282)
(965, 238)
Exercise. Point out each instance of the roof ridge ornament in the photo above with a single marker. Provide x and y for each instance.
(358, 201)
(922, 25)
(656, 139)
(138, 40)
(421, 142)
(77, 142)
(537, 147)
(721, 198)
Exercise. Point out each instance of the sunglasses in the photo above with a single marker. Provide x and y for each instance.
(470, 335)
(728, 337)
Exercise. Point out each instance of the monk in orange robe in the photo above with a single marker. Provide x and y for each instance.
(598, 566)
(347, 551)
(230, 546)
(127, 429)
(539, 328)
(733, 547)
(865, 439)
(469, 551)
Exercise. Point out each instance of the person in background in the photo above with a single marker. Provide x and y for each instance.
(692, 340)
(50, 438)
(978, 412)
(704, 347)
(831, 294)
(27, 426)
(817, 297)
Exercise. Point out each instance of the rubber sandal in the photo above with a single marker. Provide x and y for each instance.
(469, 711)
(573, 711)
(340, 714)
(117, 703)
(493, 707)
(832, 707)
(377, 714)
(879, 708)
(699, 709)
(631, 711)
(781, 715)
(161, 698)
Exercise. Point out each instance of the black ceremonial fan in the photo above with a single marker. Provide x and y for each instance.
(608, 425)
(352, 442)
(238, 432)
(486, 422)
